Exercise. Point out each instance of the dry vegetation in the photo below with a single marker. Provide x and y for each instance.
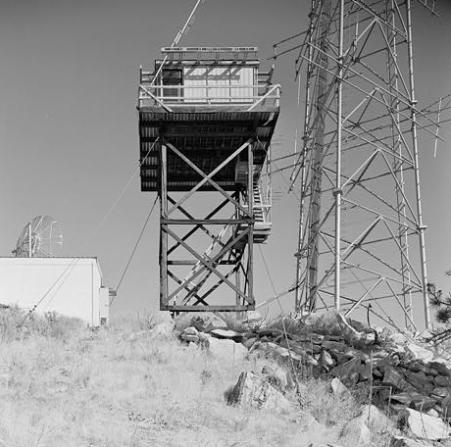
(62, 384)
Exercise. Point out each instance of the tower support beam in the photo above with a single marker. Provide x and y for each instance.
(361, 232)
(229, 252)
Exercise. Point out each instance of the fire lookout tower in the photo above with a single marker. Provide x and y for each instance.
(206, 119)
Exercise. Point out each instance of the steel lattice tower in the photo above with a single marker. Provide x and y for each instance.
(361, 235)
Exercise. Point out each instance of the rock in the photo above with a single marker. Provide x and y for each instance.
(420, 381)
(332, 323)
(256, 392)
(441, 367)
(417, 366)
(183, 321)
(190, 331)
(415, 400)
(422, 425)
(375, 420)
(355, 433)
(349, 372)
(190, 334)
(394, 378)
(419, 353)
(326, 360)
(190, 338)
(227, 350)
(423, 403)
(227, 333)
(280, 355)
(400, 441)
(442, 381)
(433, 412)
(440, 392)
(276, 376)
(207, 322)
(338, 389)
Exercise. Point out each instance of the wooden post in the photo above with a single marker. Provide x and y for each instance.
(250, 196)
(164, 292)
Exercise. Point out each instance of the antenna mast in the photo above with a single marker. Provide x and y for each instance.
(361, 232)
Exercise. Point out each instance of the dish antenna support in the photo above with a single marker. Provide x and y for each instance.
(42, 237)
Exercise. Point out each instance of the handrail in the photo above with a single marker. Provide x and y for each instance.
(204, 94)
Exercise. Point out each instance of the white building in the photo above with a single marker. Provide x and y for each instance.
(69, 286)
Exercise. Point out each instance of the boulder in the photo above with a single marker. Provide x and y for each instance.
(227, 350)
(355, 433)
(433, 412)
(394, 378)
(420, 381)
(227, 333)
(182, 321)
(207, 322)
(417, 366)
(422, 425)
(190, 338)
(440, 392)
(338, 389)
(442, 381)
(326, 361)
(349, 372)
(277, 376)
(375, 420)
(256, 392)
(441, 367)
(333, 323)
(190, 334)
(191, 330)
(417, 352)
(280, 355)
(415, 400)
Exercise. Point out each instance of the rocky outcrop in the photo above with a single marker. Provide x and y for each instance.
(405, 375)
(422, 425)
(256, 392)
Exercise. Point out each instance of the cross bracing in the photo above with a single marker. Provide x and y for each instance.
(361, 231)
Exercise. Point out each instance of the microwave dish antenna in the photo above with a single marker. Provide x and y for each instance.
(42, 237)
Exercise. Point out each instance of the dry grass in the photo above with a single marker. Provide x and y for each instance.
(122, 386)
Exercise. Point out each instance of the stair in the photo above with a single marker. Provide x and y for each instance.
(196, 282)
(262, 225)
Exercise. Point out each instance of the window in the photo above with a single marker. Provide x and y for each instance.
(172, 77)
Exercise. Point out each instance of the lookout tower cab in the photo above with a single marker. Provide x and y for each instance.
(206, 119)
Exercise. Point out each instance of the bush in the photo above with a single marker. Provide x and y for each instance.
(17, 324)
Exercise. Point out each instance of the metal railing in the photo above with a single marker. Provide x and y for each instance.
(262, 202)
(169, 96)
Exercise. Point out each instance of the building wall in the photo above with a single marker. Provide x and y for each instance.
(220, 79)
(69, 286)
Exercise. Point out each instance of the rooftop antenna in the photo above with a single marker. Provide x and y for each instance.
(42, 237)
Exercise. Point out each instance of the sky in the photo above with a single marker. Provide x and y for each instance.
(69, 126)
